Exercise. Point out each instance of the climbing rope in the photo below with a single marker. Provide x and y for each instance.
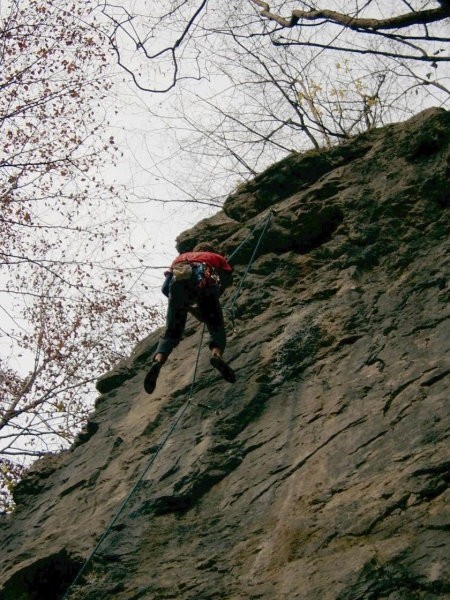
(176, 420)
(250, 234)
(231, 309)
(181, 411)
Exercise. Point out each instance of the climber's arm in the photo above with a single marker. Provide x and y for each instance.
(166, 285)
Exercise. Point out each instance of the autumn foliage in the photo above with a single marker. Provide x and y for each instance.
(67, 314)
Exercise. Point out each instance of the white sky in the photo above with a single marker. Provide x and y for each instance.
(145, 141)
(149, 142)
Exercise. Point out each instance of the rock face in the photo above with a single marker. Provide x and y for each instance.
(323, 473)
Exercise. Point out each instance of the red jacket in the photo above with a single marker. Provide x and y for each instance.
(216, 261)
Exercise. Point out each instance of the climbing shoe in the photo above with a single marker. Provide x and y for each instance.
(224, 369)
(152, 376)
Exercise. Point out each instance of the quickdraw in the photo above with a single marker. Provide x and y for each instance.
(205, 275)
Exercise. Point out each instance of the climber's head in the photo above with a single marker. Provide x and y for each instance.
(205, 247)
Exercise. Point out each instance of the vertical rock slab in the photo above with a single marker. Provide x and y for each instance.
(323, 473)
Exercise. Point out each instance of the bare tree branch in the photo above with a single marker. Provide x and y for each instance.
(360, 24)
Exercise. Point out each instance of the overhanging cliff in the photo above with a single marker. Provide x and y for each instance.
(323, 473)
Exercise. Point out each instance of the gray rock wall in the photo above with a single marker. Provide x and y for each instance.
(323, 473)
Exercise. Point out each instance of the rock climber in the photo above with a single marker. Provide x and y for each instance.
(194, 283)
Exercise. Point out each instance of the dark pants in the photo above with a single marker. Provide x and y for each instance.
(183, 294)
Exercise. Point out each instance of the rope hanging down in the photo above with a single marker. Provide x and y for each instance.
(181, 411)
(161, 445)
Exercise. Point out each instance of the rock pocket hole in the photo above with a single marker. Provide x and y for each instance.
(47, 578)
(315, 228)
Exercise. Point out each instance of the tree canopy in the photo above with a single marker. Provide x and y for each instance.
(68, 312)
(250, 80)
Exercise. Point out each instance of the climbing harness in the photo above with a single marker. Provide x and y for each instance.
(204, 275)
(181, 411)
